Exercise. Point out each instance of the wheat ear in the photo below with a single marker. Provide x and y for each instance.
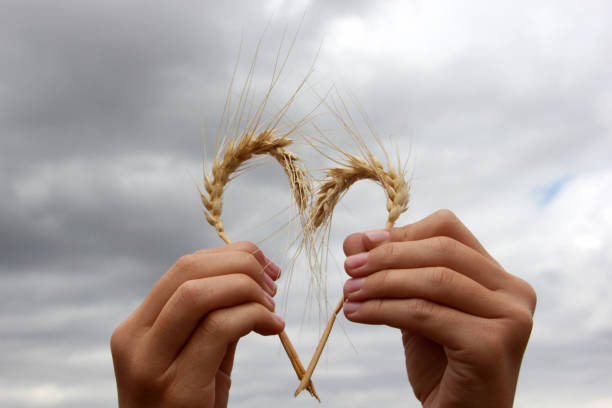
(338, 180)
(336, 183)
(235, 154)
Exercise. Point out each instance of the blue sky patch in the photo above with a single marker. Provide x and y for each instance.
(547, 193)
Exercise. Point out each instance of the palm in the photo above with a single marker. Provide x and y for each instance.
(442, 377)
(206, 391)
(426, 364)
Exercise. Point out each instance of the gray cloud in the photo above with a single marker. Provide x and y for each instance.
(503, 109)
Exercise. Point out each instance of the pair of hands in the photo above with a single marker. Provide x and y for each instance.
(465, 321)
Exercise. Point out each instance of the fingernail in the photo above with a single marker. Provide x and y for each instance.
(272, 267)
(279, 319)
(353, 285)
(351, 307)
(355, 261)
(270, 299)
(377, 236)
(270, 283)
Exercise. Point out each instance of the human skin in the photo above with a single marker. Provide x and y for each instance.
(177, 348)
(465, 321)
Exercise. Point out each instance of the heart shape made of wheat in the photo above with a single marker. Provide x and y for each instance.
(336, 183)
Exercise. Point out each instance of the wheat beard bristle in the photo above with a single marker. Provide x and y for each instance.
(235, 154)
(337, 182)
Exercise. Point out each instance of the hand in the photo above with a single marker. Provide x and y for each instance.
(465, 321)
(177, 348)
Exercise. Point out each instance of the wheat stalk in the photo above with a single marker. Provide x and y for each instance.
(235, 154)
(336, 183)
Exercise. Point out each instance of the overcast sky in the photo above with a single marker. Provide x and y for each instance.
(502, 109)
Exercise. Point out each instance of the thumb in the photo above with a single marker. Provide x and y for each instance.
(365, 241)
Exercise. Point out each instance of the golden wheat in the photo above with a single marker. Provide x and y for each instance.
(336, 183)
(339, 179)
(243, 135)
(235, 154)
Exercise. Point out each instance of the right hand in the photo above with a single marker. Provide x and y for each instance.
(177, 348)
(465, 320)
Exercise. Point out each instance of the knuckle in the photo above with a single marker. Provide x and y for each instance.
(189, 293)
(528, 293)
(521, 328)
(248, 247)
(445, 218)
(248, 264)
(215, 323)
(384, 279)
(385, 255)
(444, 244)
(405, 232)
(371, 311)
(441, 276)
(245, 285)
(495, 343)
(186, 262)
(119, 342)
(202, 252)
(420, 309)
(132, 363)
(379, 305)
(374, 309)
(258, 309)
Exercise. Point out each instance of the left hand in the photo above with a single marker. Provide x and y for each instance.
(177, 348)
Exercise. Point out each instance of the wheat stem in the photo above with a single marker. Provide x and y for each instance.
(338, 180)
(234, 155)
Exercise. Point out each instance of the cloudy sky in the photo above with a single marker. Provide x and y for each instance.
(502, 109)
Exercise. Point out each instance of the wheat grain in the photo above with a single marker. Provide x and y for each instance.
(339, 179)
(234, 155)
(336, 183)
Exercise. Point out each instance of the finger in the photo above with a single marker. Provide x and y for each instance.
(228, 361)
(364, 241)
(199, 361)
(270, 267)
(441, 223)
(202, 264)
(436, 284)
(191, 302)
(431, 252)
(267, 264)
(223, 379)
(441, 324)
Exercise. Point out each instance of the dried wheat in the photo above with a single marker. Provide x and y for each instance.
(336, 183)
(234, 155)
